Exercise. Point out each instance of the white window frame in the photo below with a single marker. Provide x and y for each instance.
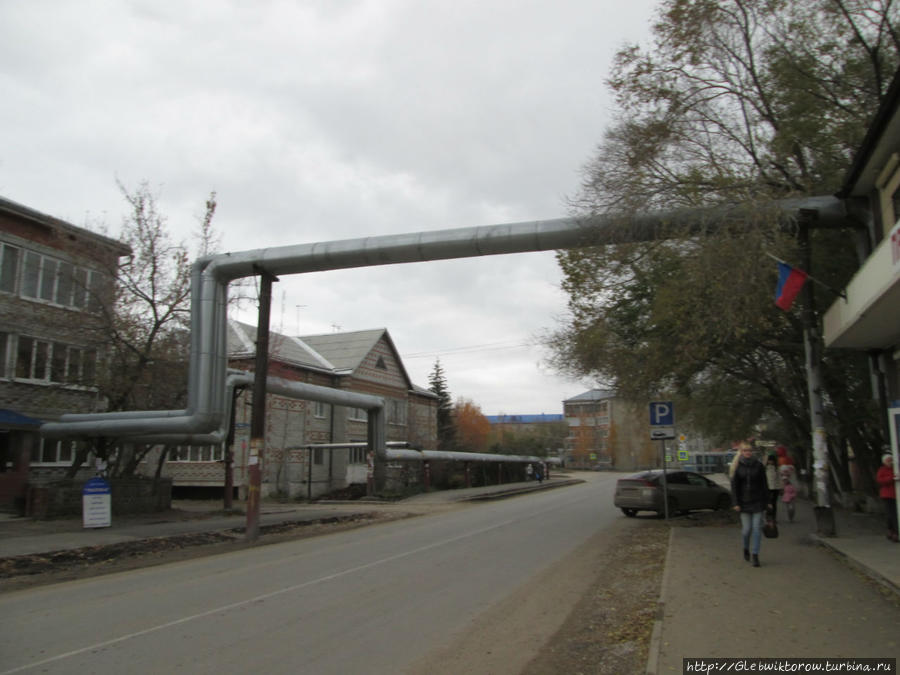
(397, 412)
(42, 278)
(52, 452)
(58, 362)
(358, 415)
(10, 277)
(5, 349)
(196, 454)
(36, 367)
(888, 183)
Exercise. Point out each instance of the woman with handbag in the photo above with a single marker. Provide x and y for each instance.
(750, 494)
(773, 481)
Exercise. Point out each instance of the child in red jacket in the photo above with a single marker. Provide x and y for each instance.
(885, 479)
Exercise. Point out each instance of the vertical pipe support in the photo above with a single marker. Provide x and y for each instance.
(258, 413)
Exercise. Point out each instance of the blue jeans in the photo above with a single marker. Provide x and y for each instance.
(751, 524)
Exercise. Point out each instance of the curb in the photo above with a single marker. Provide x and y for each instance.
(502, 494)
(861, 567)
(656, 636)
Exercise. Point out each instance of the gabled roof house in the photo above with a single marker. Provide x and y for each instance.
(311, 447)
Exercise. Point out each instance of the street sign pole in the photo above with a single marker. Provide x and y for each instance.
(662, 445)
(662, 426)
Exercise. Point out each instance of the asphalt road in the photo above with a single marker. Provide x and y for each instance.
(370, 600)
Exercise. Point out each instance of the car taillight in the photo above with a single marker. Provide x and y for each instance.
(648, 488)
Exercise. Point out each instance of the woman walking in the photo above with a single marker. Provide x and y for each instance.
(773, 481)
(750, 493)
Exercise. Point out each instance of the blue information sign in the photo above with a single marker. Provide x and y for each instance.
(96, 508)
(662, 420)
(662, 414)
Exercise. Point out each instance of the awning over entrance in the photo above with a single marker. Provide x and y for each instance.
(13, 420)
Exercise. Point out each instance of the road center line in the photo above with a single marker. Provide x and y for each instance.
(272, 594)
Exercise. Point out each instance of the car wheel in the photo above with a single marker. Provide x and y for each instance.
(723, 503)
(631, 513)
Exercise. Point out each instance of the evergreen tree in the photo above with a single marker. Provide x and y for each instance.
(446, 430)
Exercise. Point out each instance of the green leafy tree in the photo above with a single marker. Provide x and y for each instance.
(446, 429)
(737, 102)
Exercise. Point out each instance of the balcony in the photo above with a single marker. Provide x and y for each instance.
(867, 319)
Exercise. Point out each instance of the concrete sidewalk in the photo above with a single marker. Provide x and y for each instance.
(812, 597)
(23, 536)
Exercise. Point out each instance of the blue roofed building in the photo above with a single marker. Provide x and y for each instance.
(539, 434)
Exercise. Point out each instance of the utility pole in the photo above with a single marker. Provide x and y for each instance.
(812, 345)
(258, 412)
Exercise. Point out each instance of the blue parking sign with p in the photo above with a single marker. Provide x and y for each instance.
(662, 414)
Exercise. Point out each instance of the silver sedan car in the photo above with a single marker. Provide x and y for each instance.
(686, 491)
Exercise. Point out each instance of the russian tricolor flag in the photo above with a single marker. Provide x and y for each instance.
(790, 281)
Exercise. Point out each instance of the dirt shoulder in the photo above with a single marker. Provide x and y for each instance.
(26, 571)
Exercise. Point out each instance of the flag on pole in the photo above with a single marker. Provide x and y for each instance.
(790, 281)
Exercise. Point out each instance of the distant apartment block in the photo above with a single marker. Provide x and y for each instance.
(607, 432)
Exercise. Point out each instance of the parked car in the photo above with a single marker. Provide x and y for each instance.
(687, 491)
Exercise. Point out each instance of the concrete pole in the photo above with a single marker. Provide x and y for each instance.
(812, 347)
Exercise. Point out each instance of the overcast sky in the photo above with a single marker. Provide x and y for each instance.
(317, 120)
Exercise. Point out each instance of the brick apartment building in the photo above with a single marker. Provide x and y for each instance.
(607, 432)
(53, 278)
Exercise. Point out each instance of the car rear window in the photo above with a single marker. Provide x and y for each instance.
(641, 475)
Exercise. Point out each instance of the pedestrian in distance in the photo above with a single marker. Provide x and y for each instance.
(539, 473)
(529, 470)
(788, 495)
(783, 458)
(773, 481)
(751, 496)
(886, 490)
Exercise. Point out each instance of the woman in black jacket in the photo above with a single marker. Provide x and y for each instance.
(750, 493)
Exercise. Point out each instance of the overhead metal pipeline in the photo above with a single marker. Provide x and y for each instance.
(400, 451)
(210, 278)
(274, 385)
(409, 454)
